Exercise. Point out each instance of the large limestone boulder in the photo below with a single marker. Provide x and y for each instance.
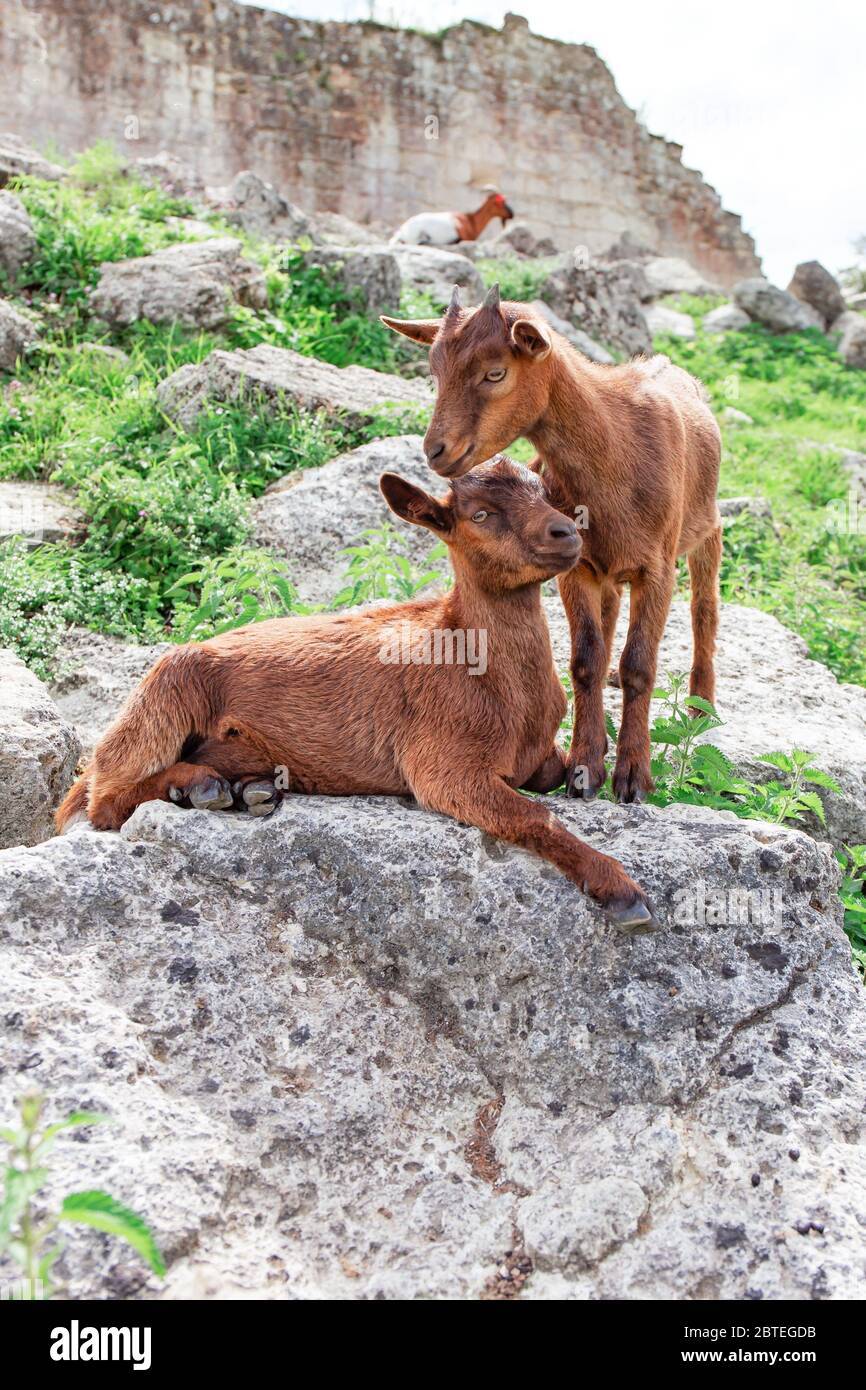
(270, 376)
(771, 697)
(37, 512)
(582, 341)
(673, 275)
(852, 343)
(17, 159)
(727, 318)
(360, 1051)
(605, 301)
(664, 320)
(259, 209)
(194, 283)
(434, 272)
(167, 171)
(311, 517)
(775, 308)
(371, 274)
(17, 334)
(38, 754)
(518, 238)
(815, 286)
(17, 238)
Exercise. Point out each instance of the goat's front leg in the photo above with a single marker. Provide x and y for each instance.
(490, 804)
(581, 597)
(651, 595)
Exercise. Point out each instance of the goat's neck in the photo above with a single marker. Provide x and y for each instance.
(574, 435)
(472, 224)
(513, 619)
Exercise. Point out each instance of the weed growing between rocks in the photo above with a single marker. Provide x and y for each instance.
(28, 1233)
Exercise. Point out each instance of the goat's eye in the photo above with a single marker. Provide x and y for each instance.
(496, 375)
(480, 516)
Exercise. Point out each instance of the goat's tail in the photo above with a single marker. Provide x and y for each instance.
(179, 697)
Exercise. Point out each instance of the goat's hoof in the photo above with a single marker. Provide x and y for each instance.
(633, 919)
(211, 794)
(259, 798)
(581, 784)
(631, 782)
(613, 679)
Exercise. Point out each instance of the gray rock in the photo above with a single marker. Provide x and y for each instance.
(604, 301)
(311, 517)
(852, 344)
(370, 273)
(727, 318)
(38, 512)
(582, 341)
(730, 415)
(732, 507)
(17, 159)
(771, 697)
(17, 334)
(17, 238)
(518, 237)
(337, 230)
(259, 209)
(815, 286)
(91, 677)
(628, 248)
(775, 308)
(673, 275)
(662, 320)
(434, 272)
(360, 1051)
(271, 376)
(194, 283)
(38, 754)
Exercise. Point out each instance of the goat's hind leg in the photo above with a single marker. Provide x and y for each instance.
(184, 783)
(252, 774)
(704, 563)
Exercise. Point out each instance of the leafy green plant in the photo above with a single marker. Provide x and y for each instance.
(379, 569)
(852, 860)
(28, 1235)
(794, 798)
(517, 279)
(244, 586)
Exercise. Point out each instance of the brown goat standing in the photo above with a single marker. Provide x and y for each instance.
(316, 696)
(638, 446)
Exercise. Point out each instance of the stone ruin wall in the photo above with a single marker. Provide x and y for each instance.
(340, 117)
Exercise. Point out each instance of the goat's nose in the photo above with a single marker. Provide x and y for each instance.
(561, 529)
(434, 451)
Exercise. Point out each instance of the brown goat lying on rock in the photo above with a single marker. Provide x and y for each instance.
(345, 705)
(637, 446)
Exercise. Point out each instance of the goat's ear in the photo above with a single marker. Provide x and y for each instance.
(529, 337)
(414, 504)
(419, 330)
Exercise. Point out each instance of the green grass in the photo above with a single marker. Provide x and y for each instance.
(797, 566)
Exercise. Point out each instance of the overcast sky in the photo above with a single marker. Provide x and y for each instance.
(768, 100)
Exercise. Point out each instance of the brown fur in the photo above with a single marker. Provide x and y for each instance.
(470, 225)
(312, 695)
(637, 446)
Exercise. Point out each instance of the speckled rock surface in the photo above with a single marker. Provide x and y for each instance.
(194, 283)
(357, 1050)
(38, 753)
(266, 374)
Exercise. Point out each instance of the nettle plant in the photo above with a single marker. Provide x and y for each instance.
(852, 861)
(29, 1235)
(379, 569)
